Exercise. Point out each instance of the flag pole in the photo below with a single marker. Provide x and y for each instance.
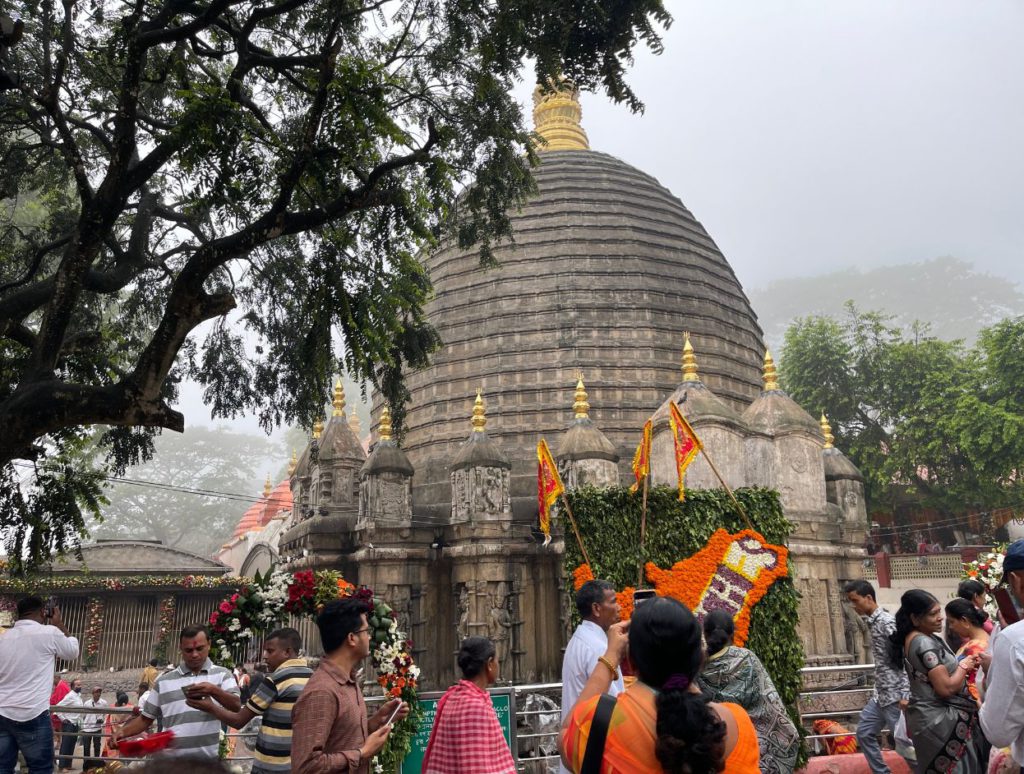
(575, 529)
(732, 497)
(643, 534)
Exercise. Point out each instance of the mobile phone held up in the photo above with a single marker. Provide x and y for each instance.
(49, 607)
(1006, 607)
(642, 595)
(394, 714)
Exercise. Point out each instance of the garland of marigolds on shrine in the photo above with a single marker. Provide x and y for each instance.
(266, 601)
(689, 539)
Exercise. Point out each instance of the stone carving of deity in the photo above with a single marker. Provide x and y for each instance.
(462, 627)
(499, 627)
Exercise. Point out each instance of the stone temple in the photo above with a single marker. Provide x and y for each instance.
(606, 272)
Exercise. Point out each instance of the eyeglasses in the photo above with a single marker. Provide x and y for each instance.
(360, 631)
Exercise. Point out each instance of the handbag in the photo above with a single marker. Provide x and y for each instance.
(594, 753)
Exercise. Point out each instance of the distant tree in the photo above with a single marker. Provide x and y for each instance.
(212, 460)
(950, 295)
(274, 164)
(914, 412)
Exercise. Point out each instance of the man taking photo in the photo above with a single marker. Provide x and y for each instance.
(27, 651)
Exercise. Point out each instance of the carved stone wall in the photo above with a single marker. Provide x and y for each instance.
(596, 473)
(480, 494)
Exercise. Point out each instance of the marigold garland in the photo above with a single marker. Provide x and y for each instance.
(690, 580)
(93, 631)
(165, 629)
(728, 561)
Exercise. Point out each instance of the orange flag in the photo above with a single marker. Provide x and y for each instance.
(686, 442)
(642, 458)
(549, 487)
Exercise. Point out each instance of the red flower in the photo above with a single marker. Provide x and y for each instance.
(225, 607)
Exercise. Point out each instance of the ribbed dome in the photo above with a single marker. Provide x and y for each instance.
(607, 270)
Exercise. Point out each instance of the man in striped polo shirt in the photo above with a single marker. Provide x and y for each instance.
(273, 700)
(196, 733)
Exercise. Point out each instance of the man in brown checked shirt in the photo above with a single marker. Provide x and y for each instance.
(331, 732)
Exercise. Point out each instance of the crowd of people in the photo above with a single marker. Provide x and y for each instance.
(694, 702)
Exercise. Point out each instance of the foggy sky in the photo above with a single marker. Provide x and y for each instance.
(811, 136)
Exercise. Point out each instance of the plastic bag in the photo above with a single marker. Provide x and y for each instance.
(902, 733)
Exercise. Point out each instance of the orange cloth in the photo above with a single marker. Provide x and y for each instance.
(836, 745)
(629, 747)
(973, 648)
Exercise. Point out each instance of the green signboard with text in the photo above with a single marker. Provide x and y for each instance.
(503, 707)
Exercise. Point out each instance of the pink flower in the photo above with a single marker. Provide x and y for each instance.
(225, 607)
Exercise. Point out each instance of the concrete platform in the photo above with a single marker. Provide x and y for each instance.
(853, 764)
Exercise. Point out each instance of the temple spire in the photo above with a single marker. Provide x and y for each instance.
(479, 420)
(556, 117)
(293, 464)
(770, 375)
(354, 425)
(384, 428)
(581, 406)
(689, 361)
(339, 399)
(267, 487)
(826, 430)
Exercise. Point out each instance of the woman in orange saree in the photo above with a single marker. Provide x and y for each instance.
(968, 623)
(662, 722)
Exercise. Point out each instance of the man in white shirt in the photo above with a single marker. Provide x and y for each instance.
(92, 726)
(1002, 712)
(27, 651)
(599, 609)
(69, 725)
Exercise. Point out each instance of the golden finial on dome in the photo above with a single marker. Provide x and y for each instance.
(556, 117)
(339, 399)
(689, 361)
(479, 420)
(267, 488)
(770, 375)
(318, 428)
(581, 407)
(826, 430)
(354, 425)
(384, 428)
(293, 464)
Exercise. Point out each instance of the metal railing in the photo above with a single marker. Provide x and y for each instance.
(846, 699)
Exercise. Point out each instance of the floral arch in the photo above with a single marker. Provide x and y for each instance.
(265, 602)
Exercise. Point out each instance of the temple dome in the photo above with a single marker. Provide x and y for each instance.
(607, 270)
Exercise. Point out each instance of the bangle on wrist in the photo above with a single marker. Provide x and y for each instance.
(611, 667)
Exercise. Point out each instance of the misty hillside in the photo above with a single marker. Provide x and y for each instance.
(948, 293)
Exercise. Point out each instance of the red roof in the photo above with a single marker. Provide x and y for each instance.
(260, 513)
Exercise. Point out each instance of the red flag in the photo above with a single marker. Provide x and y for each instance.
(549, 487)
(687, 444)
(642, 458)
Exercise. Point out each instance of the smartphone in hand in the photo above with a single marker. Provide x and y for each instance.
(391, 719)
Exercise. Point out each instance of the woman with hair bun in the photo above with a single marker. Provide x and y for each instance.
(974, 591)
(967, 622)
(735, 674)
(662, 723)
(467, 737)
(942, 716)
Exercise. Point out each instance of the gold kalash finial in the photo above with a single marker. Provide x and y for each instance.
(479, 420)
(826, 430)
(689, 361)
(354, 425)
(384, 428)
(556, 117)
(770, 375)
(339, 399)
(318, 428)
(580, 406)
(293, 464)
(267, 488)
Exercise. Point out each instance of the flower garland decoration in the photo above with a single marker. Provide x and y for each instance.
(265, 601)
(18, 585)
(165, 628)
(988, 570)
(732, 572)
(93, 630)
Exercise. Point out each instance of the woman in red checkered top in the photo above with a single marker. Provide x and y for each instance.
(467, 738)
